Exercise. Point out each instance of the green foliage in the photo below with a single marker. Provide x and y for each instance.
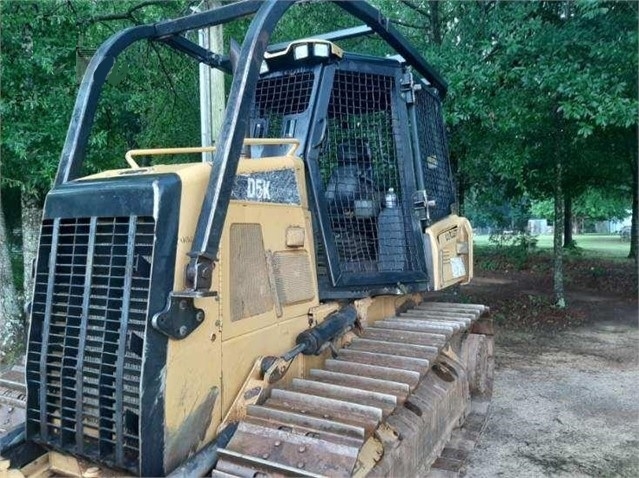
(543, 209)
(151, 97)
(530, 82)
(510, 250)
(602, 205)
(593, 204)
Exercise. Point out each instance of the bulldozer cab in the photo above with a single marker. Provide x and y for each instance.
(369, 129)
(372, 138)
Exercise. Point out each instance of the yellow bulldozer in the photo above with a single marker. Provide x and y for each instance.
(269, 312)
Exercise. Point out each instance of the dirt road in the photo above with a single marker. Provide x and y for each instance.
(566, 404)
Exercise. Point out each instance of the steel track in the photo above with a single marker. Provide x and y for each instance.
(12, 398)
(317, 426)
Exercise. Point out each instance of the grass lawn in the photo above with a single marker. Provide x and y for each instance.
(597, 245)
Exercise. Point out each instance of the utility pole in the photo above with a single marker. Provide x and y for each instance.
(212, 95)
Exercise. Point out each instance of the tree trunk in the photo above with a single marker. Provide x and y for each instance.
(568, 242)
(558, 267)
(635, 204)
(31, 217)
(435, 23)
(11, 326)
(461, 194)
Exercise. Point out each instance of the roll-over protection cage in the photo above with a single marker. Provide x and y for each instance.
(245, 76)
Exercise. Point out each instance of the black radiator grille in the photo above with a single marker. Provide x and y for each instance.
(433, 148)
(85, 348)
(359, 166)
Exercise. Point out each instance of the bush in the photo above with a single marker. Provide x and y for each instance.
(516, 248)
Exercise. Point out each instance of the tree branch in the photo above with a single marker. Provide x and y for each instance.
(128, 15)
(406, 24)
(164, 70)
(413, 6)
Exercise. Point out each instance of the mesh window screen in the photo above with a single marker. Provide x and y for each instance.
(360, 173)
(434, 151)
(277, 97)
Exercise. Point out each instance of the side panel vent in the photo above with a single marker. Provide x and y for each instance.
(250, 287)
(89, 318)
(293, 277)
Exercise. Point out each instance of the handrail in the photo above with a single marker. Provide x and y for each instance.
(208, 149)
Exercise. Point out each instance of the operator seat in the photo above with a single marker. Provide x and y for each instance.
(353, 205)
(352, 179)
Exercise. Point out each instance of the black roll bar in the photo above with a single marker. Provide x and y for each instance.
(229, 144)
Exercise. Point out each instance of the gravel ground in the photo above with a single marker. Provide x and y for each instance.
(566, 404)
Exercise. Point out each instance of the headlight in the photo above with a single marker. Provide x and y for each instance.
(321, 49)
(301, 52)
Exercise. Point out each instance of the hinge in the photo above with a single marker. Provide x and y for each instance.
(180, 317)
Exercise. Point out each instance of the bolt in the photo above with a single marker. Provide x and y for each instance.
(205, 273)
(183, 304)
(327, 415)
(265, 455)
(278, 443)
(182, 331)
(303, 411)
(302, 449)
(300, 464)
(199, 316)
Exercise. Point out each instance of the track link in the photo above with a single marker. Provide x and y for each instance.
(317, 426)
(13, 396)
